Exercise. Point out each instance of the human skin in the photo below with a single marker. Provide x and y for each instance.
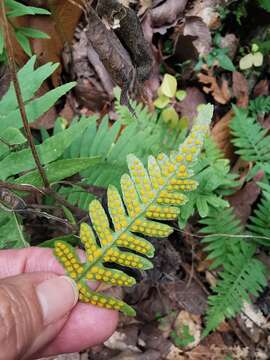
(23, 332)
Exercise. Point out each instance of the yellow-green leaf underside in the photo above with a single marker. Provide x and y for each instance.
(149, 197)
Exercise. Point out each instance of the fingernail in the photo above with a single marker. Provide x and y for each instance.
(57, 296)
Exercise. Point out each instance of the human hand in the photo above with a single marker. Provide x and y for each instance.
(39, 310)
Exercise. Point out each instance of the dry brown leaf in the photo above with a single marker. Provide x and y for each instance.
(222, 137)
(220, 93)
(244, 198)
(262, 88)
(240, 89)
(60, 27)
(195, 27)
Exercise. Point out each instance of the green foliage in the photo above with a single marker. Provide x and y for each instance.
(148, 197)
(14, 161)
(265, 4)
(225, 230)
(260, 221)
(218, 54)
(243, 275)
(144, 136)
(184, 337)
(260, 105)
(212, 172)
(22, 34)
(9, 110)
(250, 140)
(11, 234)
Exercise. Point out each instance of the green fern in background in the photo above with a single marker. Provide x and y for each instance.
(212, 172)
(223, 225)
(22, 34)
(243, 275)
(251, 140)
(260, 105)
(144, 136)
(148, 197)
(260, 221)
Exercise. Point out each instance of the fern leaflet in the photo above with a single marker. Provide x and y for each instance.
(147, 198)
(250, 139)
(243, 275)
(221, 247)
(260, 105)
(259, 222)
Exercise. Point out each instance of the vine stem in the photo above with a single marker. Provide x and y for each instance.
(12, 66)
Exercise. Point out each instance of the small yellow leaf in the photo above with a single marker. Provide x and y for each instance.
(180, 95)
(161, 102)
(170, 115)
(169, 86)
(257, 59)
(246, 62)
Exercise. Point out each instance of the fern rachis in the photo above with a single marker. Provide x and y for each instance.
(147, 195)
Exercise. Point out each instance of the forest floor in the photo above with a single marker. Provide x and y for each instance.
(187, 39)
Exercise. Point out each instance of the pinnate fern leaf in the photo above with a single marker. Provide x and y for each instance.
(225, 235)
(250, 138)
(260, 105)
(259, 221)
(148, 196)
(243, 275)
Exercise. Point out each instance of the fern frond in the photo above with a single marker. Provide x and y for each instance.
(147, 197)
(260, 221)
(250, 138)
(212, 172)
(243, 276)
(221, 247)
(144, 137)
(260, 105)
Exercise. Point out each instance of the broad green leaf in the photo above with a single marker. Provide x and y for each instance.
(161, 102)
(58, 171)
(169, 86)
(50, 150)
(11, 234)
(225, 62)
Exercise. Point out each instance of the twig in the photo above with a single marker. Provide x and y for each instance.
(12, 66)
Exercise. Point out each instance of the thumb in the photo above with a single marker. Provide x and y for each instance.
(33, 309)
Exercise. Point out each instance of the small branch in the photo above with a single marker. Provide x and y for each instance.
(12, 66)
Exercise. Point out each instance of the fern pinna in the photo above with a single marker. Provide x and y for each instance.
(148, 197)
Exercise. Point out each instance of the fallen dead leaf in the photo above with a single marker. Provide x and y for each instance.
(195, 27)
(240, 89)
(220, 93)
(222, 137)
(60, 27)
(188, 106)
(243, 199)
